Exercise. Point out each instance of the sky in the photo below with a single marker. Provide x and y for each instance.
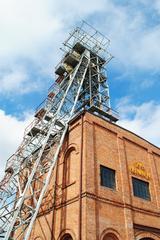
(31, 35)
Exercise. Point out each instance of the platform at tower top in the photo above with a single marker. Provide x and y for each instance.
(88, 37)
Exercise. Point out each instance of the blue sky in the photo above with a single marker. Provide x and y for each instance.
(31, 35)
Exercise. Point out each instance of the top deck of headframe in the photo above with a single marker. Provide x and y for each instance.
(88, 37)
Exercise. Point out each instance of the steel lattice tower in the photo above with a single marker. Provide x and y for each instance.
(81, 83)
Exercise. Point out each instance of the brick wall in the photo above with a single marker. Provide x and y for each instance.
(85, 209)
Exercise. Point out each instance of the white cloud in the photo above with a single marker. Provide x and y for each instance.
(147, 52)
(34, 30)
(156, 5)
(12, 81)
(16, 80)
(71, 10)
(143, 119)
(134, 34)
(11, 134)
(26, 27)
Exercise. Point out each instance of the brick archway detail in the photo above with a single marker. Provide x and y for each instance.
(142, 235)
(67, 237)
(70, 148)
(65, 232)
(110, 233)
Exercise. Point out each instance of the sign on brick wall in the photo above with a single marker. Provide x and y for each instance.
(138, 169)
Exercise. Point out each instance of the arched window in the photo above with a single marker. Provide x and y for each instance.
(70, 173)
(110, 236)
(67, 237)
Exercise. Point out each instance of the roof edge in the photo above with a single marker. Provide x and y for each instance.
(83, 112)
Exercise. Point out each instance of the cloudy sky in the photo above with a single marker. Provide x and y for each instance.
(31, 33)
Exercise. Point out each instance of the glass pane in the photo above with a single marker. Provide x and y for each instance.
(141, 188)
(107, 177)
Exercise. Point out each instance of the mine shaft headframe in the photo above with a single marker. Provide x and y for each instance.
(87, 36)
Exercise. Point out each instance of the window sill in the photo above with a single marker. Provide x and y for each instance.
(143, 199)
(108, 188)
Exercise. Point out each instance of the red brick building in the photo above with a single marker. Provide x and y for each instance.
(107, 186)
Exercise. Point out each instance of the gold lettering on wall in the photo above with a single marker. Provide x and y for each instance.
(138, 169)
